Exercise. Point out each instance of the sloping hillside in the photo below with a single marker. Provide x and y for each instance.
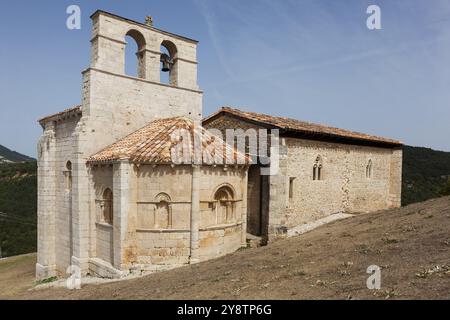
(8, 156)
(411, 245)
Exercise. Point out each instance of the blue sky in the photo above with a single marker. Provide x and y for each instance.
(313, 60)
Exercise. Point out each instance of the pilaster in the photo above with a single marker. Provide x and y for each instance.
(195, 213)
(46, 260)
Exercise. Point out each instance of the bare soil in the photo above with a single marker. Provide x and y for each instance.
(411, 245)
(16, 275)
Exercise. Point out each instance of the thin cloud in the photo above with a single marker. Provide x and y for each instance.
(278, 72)
(213, 34)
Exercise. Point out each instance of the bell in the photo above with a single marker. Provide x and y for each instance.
(165, 59)
(165, 66)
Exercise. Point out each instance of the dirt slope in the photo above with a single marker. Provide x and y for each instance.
(411, 245)
(16, 275)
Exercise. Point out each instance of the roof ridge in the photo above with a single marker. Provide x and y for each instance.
(296, 125)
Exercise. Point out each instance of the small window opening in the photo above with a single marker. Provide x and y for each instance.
(68, 176)
(134, 54)
(163, 212)
(225, 205)
(369, 169)
(291, 187)
(317, 169)
(168, 73)
(107, 206)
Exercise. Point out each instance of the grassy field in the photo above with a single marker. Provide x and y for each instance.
(411, 245)
(16, 275)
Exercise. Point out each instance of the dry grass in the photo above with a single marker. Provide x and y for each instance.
(16, 275)
(409, 244)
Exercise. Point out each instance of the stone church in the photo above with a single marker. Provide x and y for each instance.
(112, 200)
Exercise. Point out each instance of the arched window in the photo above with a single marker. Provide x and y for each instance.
(369, 169)
(134, 54)
(169, 63)
(107, 206)
(224, 197)
(317, 169)
(68, 176)
(163, 212)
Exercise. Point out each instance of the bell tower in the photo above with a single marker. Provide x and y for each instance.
(110, 94)
(108, 45)
(115, 104)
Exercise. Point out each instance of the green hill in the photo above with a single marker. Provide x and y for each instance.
(426, 174)
(18, 204)
(7, 155)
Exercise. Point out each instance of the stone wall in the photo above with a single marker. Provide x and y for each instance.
(163, 180)
(254, 201)
(171, 245)
(115, 105)
(162, 247)
(344, 186)
(105, 242)
(56, 150)
(395, 185)
(219, 241)
(162, 244)
(119, 105)
(46, 209)
(108, 44)
(102, 240)
(158, 191)
(64, 153)
(218, 237)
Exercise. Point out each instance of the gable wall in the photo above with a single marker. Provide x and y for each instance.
(64, 153)
(56, 148)
(344, 187)
(160, 247)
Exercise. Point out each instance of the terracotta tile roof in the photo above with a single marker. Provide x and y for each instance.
(153, 143)
(73, 110)
(300, 127)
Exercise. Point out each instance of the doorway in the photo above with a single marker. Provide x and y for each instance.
(257, 202)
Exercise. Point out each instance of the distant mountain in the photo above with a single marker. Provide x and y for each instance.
(8, 156)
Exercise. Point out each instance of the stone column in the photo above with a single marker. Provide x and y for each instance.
(195, 213)
(278, 195)
(186, 73)
(46, 254)
(265, 189)
(92, 216)
(395, 185)
(151, 64)
(121, 178)
(244, 208)
(80, 203)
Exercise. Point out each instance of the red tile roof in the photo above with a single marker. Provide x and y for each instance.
(299, 127)
(153, 144)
